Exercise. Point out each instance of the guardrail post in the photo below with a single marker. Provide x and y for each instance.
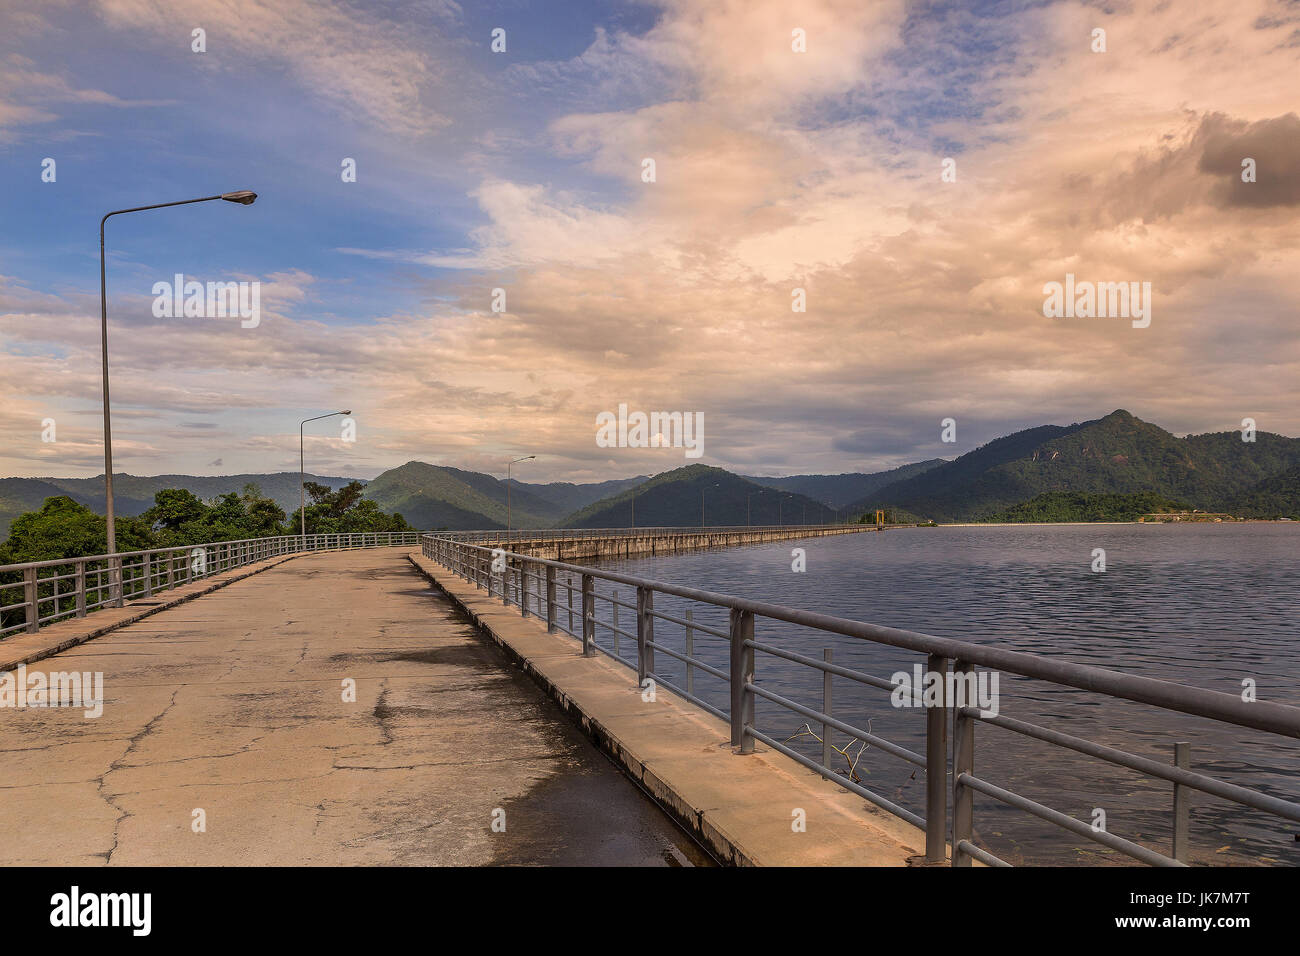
(645, 633)
(826, 709)
(936, 765)
(550, 599)
(29, 599)
(147, 566)
(81, 589)
(742, 673)
(115, 582)
(569, 586)
(523, 587)
(588, 616)
(613, 608)
(963, 762)
(1182, 802)
(505, 581)
(690, 652)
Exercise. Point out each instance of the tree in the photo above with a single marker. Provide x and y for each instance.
(345, 511)
(173, 507)
(62, 528)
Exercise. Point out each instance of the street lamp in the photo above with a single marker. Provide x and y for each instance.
(245, 198)
(514, 461)
(302, 473)
(702, 491)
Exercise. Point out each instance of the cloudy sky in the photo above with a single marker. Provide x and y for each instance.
(522, 170)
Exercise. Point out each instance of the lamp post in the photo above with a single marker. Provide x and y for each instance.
(244, 198)
(702, 491)
(302, 468)
(747, 497)
(508, 464)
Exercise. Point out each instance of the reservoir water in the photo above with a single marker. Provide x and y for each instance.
(1209, 605)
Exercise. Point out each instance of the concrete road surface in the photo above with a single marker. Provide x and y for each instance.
(230, 710)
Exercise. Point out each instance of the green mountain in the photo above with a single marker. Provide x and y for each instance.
(838, 491)
(434, 496)
(132, 494)
(1117, 454)
(20, 495)
(1277, 496)
(568, 497)
(675, 499)
(1081, 506)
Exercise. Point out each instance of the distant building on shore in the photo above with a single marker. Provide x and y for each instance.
(1188, 516)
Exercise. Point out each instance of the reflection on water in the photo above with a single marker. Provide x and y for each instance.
(1206, 604)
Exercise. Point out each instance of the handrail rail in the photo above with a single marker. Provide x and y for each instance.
(1259, 715)
(509, 572)
(202, 544)
(550, 534)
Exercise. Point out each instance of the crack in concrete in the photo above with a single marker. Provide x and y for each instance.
(384, 715)
(118, 765)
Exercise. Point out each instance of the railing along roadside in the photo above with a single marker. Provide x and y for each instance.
(523, 580)
(63, 588)
(525, 535)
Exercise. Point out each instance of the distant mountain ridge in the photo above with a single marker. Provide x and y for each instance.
(1116, 454)
(438, 496)
(695, 494)
(839, 491)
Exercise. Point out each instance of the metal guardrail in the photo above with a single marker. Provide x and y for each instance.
(63, 588)
(583, 534)
(522, 580)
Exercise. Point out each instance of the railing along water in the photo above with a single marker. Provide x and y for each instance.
(531, 583)
(547, 535)
(62, 588)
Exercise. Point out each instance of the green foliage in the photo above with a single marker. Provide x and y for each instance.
(178, 517)
(62, 528)
(345, 511)
(1082, 506)
(1275, 497)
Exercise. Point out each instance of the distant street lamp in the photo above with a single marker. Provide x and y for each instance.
(515, 461)
(302, 472)
(702, 490)
(244, 198)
